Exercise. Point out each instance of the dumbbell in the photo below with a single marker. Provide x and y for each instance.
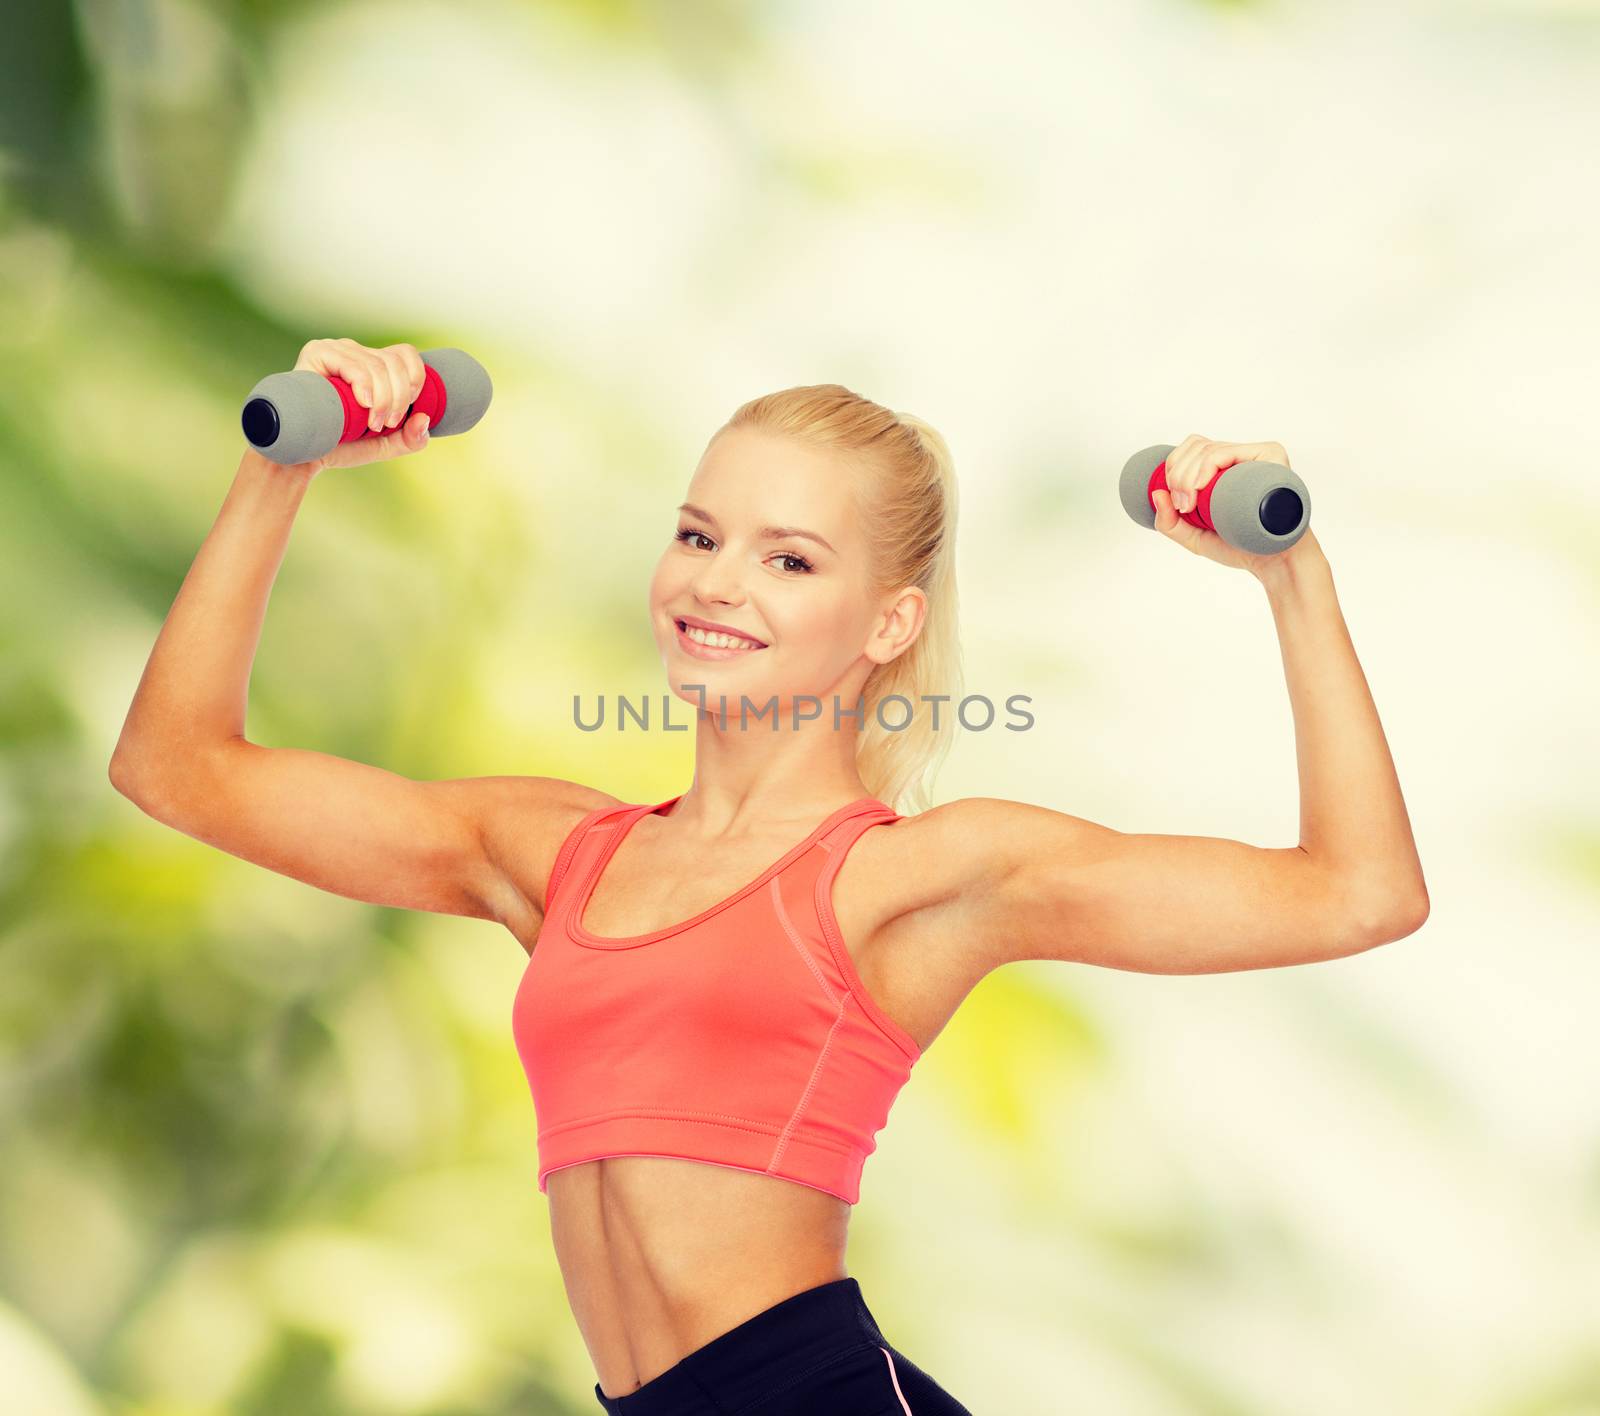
(300, 415)
(1257, 507)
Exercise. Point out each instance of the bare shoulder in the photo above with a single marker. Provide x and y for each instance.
(927, 860)
(522, 822)
(940, 879)
(920, 877)
(905, 901)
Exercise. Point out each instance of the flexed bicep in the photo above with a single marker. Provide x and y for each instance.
(1035, 883)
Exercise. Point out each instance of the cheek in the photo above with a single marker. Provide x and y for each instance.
(824, 635)
(665, 584)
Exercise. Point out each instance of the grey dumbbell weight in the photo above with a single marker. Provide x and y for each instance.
(300, 414)
(1257, 507)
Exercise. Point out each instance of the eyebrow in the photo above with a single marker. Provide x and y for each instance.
(766, 533)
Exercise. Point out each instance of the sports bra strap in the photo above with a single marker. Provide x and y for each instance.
(839, 837)
(569, 847)
(842, 832)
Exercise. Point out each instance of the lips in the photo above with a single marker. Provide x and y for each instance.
(713, 627)
(711, 652)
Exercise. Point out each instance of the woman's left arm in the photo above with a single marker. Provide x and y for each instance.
(1028, 882)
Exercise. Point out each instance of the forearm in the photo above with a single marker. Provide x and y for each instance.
(191, 696)
(1352, 815)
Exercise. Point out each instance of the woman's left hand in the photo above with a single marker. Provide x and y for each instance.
(1190, 466)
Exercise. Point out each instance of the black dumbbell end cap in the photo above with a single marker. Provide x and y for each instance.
(1281, 511)
(260, 423)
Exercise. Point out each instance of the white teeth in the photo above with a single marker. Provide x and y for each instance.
(718, 641)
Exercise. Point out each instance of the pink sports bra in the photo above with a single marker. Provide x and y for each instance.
(742, 1037)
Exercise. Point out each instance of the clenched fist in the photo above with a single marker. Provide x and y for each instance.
(386, 382)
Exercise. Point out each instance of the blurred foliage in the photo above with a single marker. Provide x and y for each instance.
(268, 1150)
(192, 1054)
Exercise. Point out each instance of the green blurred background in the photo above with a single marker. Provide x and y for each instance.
(267, 1150)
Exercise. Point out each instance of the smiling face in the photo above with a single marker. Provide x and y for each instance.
(740, 557)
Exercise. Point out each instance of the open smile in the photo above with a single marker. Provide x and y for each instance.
(709, 644)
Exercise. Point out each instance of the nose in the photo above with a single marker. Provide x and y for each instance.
(718, 582)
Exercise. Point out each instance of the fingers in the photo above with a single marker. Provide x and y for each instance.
(1168, 522)
(1173, 526)
(382, 394)
(403, 368)
(413, 374)
(386, 382)
(359, 367)
(1183, 470)
(1195, 462)
(411, 435)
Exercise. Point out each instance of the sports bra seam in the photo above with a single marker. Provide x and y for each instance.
(585, 885)
(787, 925)
(587, 825)
(823, 902)
(697, 1118)
(817, 1069)
(545, 1173)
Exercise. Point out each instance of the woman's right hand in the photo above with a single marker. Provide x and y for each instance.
(385, 382)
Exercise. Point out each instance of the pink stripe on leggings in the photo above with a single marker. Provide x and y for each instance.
(895, 1378)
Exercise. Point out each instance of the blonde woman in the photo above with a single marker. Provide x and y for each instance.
(727, 989)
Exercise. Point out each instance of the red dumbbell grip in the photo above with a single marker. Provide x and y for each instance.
(432, 401)
(1201, 514)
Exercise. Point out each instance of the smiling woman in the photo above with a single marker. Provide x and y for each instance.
(727, 990)
(837, 510)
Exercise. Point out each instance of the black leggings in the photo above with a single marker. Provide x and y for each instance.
(815, 1352)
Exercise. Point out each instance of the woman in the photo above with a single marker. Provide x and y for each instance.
(726, 990)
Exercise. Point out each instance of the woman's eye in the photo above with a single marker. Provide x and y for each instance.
(793, 564)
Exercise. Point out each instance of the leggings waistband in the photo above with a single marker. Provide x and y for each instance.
(781, 1343)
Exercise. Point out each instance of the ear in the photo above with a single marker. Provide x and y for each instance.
(897, 626)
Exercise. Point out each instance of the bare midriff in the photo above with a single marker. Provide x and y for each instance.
(659, 1255)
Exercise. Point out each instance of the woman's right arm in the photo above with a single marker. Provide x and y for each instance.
(479, 846)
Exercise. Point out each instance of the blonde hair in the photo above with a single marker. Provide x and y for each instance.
(904, 483)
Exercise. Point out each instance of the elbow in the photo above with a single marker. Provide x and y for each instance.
(131, 774)
(172, 786)
(1415, 915)
(123, 774)
(1393, 919)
